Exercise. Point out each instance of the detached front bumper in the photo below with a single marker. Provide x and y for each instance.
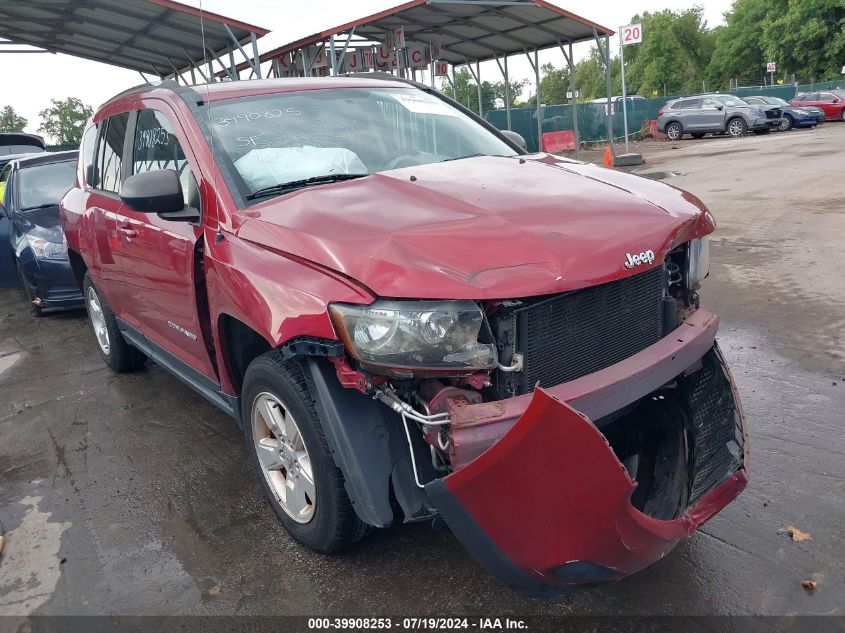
(52, 284)
(761, 124)
(539, 497)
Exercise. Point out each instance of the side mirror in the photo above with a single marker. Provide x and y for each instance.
(515, 138)
(89, 174)
(158, 192)
(720, 107)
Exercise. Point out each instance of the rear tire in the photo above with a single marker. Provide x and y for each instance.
(737, 127)
(674, 131)
(115, 351)
(291, 457)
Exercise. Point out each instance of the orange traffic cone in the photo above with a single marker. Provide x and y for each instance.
(608, 157)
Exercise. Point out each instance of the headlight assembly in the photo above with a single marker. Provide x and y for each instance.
(44, 249)
(421, 335)
(698, 262)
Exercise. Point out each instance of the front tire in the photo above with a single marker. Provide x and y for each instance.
(674, 131)
(119, 355)
(786, 123)
(291, 457)
(737, 127)
(842, 115)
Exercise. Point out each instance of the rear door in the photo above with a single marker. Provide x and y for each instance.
(158, 256)
(104, 206)
(8, 273)
(690, 115)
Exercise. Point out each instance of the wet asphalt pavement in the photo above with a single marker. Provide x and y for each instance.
(130, 494)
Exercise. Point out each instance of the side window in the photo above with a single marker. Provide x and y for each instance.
(87, 155)
(156, 147)
(826, 97)
(691, 104)
(711, 104)
(111, 153)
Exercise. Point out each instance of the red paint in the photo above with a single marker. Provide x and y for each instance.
(831, 102)
(554, 142)
(652, 129)
(570, 497)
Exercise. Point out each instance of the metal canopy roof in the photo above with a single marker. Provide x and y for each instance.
(476, 30)
(161, 37)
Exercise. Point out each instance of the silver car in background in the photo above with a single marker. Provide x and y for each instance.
(716, 114)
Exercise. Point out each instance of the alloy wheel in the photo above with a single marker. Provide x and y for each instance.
(285, 462)
(673, 131)
(98, 320)
(736, 128)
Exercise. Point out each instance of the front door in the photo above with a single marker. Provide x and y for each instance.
(712, 115)
(158, 256)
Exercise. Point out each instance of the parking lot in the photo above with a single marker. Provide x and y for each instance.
(131, 494)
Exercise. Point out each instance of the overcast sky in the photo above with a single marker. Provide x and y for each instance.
(30, 81)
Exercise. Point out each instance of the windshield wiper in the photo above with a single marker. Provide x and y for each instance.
(446, 160)
(285, 187)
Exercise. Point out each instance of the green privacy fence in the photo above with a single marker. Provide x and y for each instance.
(592, 120)
(62, 148)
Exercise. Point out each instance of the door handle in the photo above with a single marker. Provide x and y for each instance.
(127, 231)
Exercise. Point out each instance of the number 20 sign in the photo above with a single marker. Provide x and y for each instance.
(631, 34)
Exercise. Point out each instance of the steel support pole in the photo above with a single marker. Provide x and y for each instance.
(333, 57)
(256, 59)
(539, 106)
(478, 86)
(624, 89)
(574, 102)
(508, 98)
(605, 52)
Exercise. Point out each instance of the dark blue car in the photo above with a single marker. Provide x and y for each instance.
(33, 252)
(793, 116)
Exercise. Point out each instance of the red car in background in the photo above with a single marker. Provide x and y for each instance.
(831, 102)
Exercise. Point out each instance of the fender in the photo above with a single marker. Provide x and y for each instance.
(368, 445)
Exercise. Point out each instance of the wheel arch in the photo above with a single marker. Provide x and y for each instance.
(78, 266)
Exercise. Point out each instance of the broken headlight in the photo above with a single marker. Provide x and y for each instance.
(698, 262)
(437, 335)
(44, 249)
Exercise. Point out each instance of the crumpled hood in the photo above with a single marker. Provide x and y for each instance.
(480, 228)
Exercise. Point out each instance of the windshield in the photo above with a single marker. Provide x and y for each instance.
(43, 185)
(730, 100)
(776, 101)
(314, 136)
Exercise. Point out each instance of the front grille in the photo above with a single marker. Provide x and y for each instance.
(717, 437)
(574, 334)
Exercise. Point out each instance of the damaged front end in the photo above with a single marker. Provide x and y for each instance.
(562, 500)
(565, 439)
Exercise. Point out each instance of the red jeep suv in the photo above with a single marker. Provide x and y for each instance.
(413, 319)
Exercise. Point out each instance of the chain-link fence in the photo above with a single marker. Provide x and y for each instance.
(592, 117)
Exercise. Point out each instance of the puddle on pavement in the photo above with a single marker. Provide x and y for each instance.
(7, 361)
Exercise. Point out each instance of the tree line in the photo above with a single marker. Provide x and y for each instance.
(64, 120)
(681, 54)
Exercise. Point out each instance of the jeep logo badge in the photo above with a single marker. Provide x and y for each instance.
(638, 260)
